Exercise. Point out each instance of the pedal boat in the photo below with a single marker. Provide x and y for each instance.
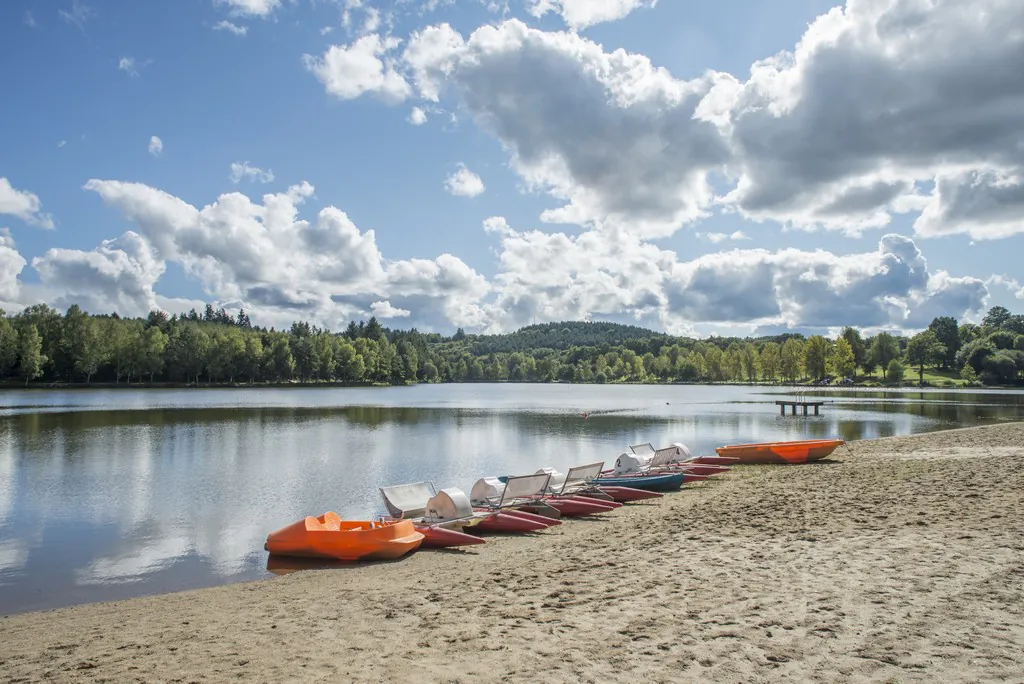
(328, 536)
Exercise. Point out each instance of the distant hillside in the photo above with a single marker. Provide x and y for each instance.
(561, 336)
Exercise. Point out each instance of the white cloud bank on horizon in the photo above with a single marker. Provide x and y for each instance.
(281, 268)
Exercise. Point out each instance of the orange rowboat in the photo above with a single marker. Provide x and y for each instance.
(781, 452)
(328, 536)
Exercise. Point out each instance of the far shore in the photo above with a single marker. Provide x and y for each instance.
(894, 560)
(806, 386)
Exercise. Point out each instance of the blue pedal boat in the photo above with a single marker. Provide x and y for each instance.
(659, 482)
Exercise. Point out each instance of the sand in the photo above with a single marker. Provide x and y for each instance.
(900, 560)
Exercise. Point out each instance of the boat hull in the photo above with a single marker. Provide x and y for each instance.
(509, 522)
(715, 460)
(662, 482)
(328, 536)
(572, 507)
(437, 537)
(784, 453)
(627, 494)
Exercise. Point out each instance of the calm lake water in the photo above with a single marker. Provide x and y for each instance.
(111, 494)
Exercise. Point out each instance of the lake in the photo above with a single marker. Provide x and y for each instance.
(108, 494)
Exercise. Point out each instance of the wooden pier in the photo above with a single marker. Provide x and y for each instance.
(782, 404)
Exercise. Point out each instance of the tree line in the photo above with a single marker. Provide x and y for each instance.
(42, 344)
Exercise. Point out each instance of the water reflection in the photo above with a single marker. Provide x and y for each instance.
(111, 499)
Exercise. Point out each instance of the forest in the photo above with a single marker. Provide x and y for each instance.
(41, 346)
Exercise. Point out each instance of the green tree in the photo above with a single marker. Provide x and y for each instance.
(968, 374)
(792, 359)
(73, 343)
(751, 361)
(856, 342)
(409, 362)
(770, 358)
(8, 345)
(995, 317)
(924, 349)
(154, 342)
(947, 332)
(816, 353)
(842, 359)
(974, 354)
(884, 349)
(325, 353)
(733, 363)
(895, 370)
(714, 363)
(186, 351)
(94, 351)
(281, 361)
(30, 353)
(430, 373)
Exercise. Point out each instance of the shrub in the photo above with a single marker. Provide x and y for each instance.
(895, 370)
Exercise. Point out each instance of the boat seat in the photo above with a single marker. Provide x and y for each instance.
(448, 504)
(525, 487)
(407, 500)
(581, 476)
(557, 481)
(670, 454)
(629, 463)
(487, 491)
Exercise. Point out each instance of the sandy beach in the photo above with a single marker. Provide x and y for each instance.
(897, 560)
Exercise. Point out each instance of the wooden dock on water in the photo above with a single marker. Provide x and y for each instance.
(783, 403)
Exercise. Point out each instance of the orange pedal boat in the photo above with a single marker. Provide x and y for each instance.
(328, 536)
(803, 451)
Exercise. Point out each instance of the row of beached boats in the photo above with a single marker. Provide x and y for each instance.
(419, 516)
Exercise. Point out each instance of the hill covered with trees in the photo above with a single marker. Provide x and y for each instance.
(46, 346)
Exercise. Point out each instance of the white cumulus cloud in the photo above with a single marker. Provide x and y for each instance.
(226, 25)
(11, 265)
(156, 146)
(881, 108)
(386, 310)
(127, 65)
(280, 267)
(240, 170)
(255, 8)
(348, 71)
(579, 14)
(417, 117)
(119, 275)
(464, 183)
(23, 204)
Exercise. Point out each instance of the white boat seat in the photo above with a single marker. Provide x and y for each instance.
(407, 500)
(448, 504)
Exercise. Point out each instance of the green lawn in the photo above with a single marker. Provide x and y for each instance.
(932, 376)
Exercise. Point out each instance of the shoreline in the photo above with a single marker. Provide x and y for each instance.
(870, 386)
(896, 559)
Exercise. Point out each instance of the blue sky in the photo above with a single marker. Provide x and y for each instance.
(706, 197)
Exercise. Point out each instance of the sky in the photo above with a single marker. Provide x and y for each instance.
(728, 168)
